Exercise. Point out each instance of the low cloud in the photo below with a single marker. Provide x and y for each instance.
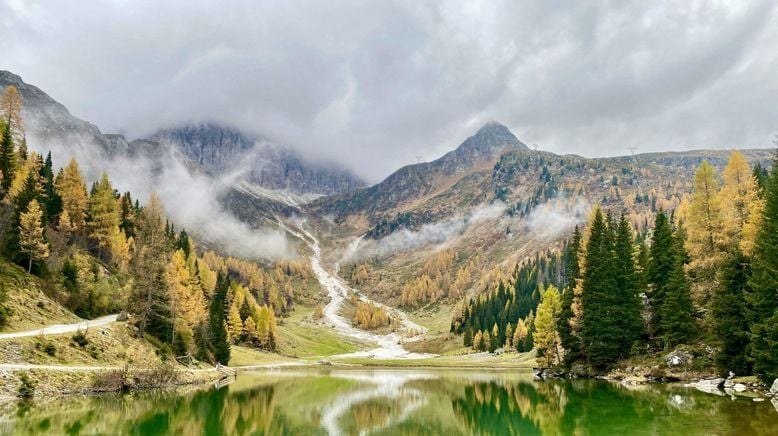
(557, 217)
(429, 234)
(191, 199)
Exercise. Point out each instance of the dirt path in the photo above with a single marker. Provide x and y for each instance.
(58, 329)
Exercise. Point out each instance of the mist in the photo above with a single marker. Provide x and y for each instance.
(190, 199)
(557, 217)
(437, 233)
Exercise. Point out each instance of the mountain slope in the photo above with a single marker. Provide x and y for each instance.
(412, 183)
(223, 150)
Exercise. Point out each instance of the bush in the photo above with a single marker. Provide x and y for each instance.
(26, 387)
(50, 349)
(80, 339)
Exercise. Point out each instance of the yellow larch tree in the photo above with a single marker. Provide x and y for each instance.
(32, 242)
(71, 187)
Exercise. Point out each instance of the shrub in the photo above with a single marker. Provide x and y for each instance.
(26, 387)
(80, 339)
(50, 349)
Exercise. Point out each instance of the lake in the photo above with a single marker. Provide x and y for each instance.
(404, 402)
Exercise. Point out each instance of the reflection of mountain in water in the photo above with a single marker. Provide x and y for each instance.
(399, 402)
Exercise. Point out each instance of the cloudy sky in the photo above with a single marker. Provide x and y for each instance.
(376, 84)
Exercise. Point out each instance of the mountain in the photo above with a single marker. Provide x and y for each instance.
(223, 150)
(47, 120)
(468, 163)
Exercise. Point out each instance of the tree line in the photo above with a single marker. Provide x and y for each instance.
(99, 251)
(705, 273)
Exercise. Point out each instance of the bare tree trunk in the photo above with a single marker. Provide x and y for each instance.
(29, 266)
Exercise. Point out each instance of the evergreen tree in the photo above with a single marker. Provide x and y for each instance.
(599, 326)
(761, 176)
(677, 311)
(730, 318)
(52, 200)
(661, 263)
(570, 341)
(7, 159)
(32, 241)
(220, 344)
(627, 301)
(763, 286)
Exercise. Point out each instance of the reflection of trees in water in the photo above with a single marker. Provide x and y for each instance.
(586, 407)
(370, 414)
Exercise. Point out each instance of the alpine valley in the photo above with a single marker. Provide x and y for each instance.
(201, 250)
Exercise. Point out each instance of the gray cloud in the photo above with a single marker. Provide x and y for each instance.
(375, 84)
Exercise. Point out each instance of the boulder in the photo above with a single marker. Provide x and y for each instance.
(711, 386)
(678, 358)
(774, 388)
(739, 387)
(122, 316)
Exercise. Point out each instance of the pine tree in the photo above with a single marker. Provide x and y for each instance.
(599, 326)
(570, 342)
(677, 311)
(7, 159)
(660, 264)
(730, 318)
(761, 176)
(32, 241)
(627, 302)
(763, 286)
(53, 202)
(220, 345)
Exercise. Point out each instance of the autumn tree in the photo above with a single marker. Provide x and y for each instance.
(11, 111)
(103, 213)
(32, 241)
(71, 188)
(547, 340)
(741, 204)
(705, 227)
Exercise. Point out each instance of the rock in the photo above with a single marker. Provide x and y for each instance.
(499, 351)
(739, 387)
(774, 388)
(729, 384)
(775, 403)
(122, 316)
(731, 375)
(758, 399)
(325, 362)
(678, 358)
(711, 386)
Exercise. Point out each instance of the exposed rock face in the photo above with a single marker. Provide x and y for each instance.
(711, 386)
(414, 181)
(678, 358)
(224, 150)
(47, 120)
(774, 387)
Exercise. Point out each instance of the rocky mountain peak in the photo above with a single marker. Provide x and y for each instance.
(491, 137)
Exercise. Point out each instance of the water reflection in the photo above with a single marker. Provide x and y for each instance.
(398, 402)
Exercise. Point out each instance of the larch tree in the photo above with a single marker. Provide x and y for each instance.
(103, 213)
(705, 227)
(11, 111)
(741, 203)
(71, 188)
(547, 340)
(32, 241)
(149, 301)
(763, 286)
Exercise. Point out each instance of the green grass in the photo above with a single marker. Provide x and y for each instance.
(243, 356)
(506, 361)
(299, 336)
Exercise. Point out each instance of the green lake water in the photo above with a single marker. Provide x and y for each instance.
(399, 402)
